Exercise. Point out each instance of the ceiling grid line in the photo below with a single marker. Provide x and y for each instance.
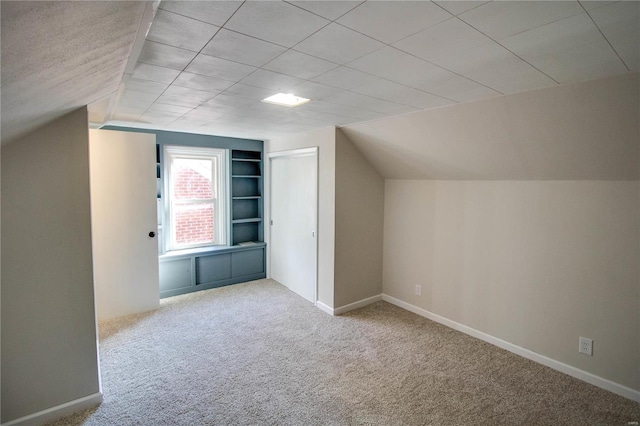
(186, 66)
(604, 36)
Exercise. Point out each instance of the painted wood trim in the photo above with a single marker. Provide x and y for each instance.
(325, 308)
(359, 304)
(585, 376)
(350, 307)
(58, 411)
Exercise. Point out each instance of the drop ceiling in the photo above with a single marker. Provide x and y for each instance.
(204, 67)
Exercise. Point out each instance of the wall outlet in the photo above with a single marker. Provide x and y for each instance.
(586, 346)
(418, 290)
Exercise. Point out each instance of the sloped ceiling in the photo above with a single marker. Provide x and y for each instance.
(206, 66)
(59, 56)
(581, 131)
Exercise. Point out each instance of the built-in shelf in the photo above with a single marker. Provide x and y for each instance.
(246, 196)
(253, 219)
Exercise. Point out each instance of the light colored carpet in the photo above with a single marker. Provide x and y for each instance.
(257, 354)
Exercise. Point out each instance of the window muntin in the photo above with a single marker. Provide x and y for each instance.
(195, 197)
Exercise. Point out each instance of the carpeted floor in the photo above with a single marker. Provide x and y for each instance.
(257, 354)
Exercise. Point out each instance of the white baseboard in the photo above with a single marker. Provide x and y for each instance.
(58, 411)
(323, 307)
(585, 376)
(350, 307)
(359, 304)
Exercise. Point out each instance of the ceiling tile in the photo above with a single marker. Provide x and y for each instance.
(367, 103)
(497, 68)
(556, 36)
(276, 22)
(136, 100)
(338, 44)
(224, 100)
(452, 86)
(165, 56)
(456, 7)
(312, 90)
(201, 82)
(183, 96)
(391, 21)
(394, 92)
(394, 64)
(327, 9)
(242, 48)
(249, 92)
(344, 78)
(219, 68)
(358, 114)
(594, 4)
(400, 67)
(568, 50)
(180, 31)
(154, 73)
(445, 39)
(500, 19)
(271, 80)
(620, 24)
(168, 109)
(581, 62)
(299, 65)
(145, 86)
(214, 12)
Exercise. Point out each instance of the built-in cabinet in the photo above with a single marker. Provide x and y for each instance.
(246, 189)
(185, 271)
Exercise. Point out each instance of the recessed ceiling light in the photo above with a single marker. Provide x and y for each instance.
(286, 99)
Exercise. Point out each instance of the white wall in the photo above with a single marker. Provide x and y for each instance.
(359, 225)
(325, 140)
(49, 353)
(537, 264)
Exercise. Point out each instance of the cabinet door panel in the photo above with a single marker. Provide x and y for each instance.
(213, 268)
(247, 262)
(175, 274)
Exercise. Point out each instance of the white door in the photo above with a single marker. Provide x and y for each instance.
(294, 207)
(124, 222)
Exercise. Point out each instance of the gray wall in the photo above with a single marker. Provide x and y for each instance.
(537, 263)
(524, 223)
(359, 225)
(49, 353)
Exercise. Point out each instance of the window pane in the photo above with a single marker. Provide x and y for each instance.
(193, 223)
(191, 179)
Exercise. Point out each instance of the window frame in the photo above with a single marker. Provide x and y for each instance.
(220, 204)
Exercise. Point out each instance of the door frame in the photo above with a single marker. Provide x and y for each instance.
(292, 153)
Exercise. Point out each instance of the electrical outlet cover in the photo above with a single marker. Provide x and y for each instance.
(586, 346)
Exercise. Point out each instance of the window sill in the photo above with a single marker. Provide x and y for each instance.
(201, 251)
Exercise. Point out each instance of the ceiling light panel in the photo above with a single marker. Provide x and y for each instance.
(286, 99)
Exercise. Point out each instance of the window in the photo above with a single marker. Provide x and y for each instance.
(195, 201)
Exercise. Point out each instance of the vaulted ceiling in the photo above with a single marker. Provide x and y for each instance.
(205, 66)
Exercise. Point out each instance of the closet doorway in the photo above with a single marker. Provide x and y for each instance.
(293, 220)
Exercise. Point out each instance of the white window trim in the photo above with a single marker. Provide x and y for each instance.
(221, 230)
